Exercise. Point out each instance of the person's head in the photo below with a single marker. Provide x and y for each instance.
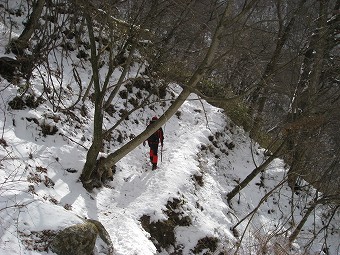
(153, 119)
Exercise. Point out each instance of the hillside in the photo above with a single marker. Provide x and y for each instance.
(204, 156)
(180, 208)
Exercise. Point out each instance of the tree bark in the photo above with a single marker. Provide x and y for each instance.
(97, 141)
(21, 43)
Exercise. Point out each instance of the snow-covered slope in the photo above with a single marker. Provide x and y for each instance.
(180, 208)
(40, 192)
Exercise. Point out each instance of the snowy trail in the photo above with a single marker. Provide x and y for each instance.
(137, 192)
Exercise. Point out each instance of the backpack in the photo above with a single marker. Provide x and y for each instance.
(154, 137)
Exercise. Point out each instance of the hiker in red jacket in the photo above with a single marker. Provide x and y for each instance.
(153, 142)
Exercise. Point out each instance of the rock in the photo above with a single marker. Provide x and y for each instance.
(80, 239)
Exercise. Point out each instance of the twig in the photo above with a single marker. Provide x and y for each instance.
(205, 113)
(72, 140)
(252, 213)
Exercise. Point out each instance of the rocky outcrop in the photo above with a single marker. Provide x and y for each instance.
(80, 239)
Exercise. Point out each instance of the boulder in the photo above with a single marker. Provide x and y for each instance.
(80, 239)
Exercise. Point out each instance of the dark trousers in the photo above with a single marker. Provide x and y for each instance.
(153, 153)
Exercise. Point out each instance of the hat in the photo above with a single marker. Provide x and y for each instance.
(154, 118)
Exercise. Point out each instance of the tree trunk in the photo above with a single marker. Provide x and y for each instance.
(114, 157)
(21, 43)
(253, 174)
(297, 230)
(305, 100)
(259, 97)
(97, 141)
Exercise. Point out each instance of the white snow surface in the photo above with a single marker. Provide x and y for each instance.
(28, 204)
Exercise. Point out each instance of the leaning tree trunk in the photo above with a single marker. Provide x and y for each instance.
(114, 157)
(20, 44)
(299, 227)
(253, 174)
